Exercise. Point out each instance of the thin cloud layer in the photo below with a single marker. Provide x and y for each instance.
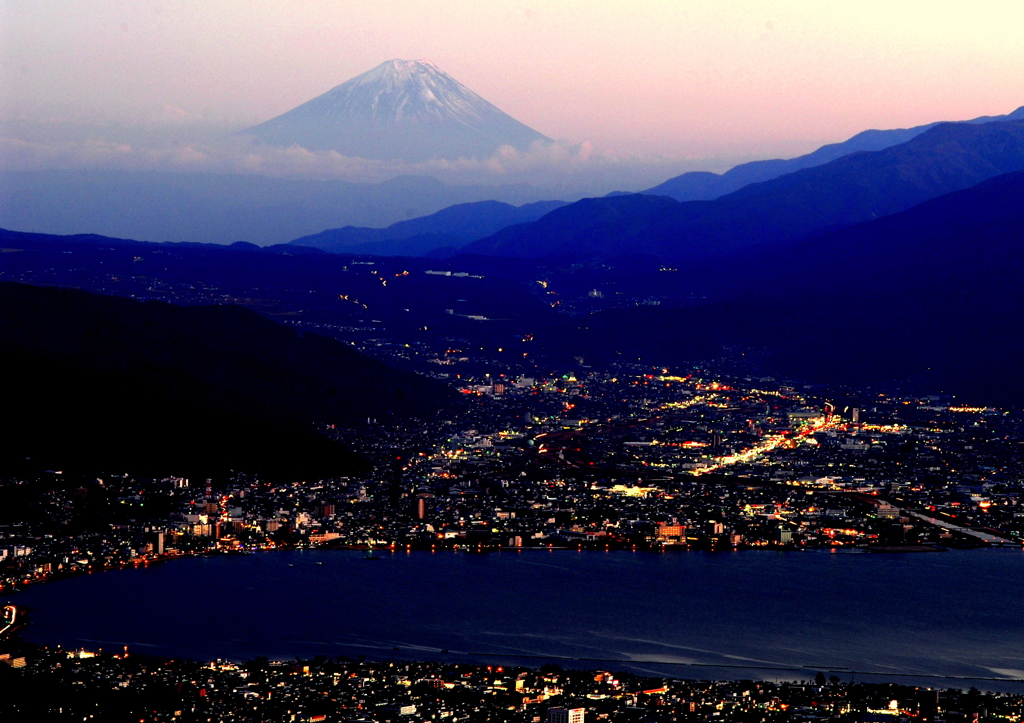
(564, 166)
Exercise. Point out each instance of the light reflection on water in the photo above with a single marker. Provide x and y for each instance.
(731, 615)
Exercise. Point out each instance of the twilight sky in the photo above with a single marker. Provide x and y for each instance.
(675, 84)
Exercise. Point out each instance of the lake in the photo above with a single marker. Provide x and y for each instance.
(749, 614)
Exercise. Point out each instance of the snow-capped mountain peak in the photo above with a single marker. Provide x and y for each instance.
(402, 109)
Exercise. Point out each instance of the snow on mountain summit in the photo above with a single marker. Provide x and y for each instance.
(404, 90)
(402, 109)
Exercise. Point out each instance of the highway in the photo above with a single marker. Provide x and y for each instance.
(983, 536)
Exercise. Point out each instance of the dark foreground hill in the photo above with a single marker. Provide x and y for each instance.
(856, 188)
(931, 294)
(101, 382)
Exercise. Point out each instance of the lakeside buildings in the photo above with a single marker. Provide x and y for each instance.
(52, 684)
(613, 461)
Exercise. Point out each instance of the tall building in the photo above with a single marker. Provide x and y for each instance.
(566, 715)
(669, 532)
(157, 540)
(211, 505)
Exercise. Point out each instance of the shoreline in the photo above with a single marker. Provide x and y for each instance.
(479, 550)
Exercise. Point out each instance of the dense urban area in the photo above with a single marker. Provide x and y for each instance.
(78, 685)
(609, 460)
(626, 458)
(393, 409)
(543, 451)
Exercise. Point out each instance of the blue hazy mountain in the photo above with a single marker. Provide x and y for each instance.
(451, 227)
(858, 187)
(704, 186)
(929, 293)
(406, 110)
(221, 208)
(570, 227)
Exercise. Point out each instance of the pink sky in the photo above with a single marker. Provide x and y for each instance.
(699, 79)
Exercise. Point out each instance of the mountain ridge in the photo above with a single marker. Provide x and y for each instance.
(851, 189)
(930, 294)
(706, 186)
(453, 226)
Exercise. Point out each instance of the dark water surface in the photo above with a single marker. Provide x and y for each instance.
(727, 615)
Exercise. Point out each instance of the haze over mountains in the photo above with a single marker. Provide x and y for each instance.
(414, 237)
(399, 97)
(900, 262)
(854, 188)
(929, 294)
(703, 186)
(407, 110)
(215, 208)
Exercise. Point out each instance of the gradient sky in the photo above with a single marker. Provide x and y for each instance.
(697, 79)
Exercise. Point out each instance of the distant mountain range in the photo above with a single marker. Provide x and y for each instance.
(854, 188)
(407, 110)
(452, 228)
(704, 186)
(931, 294)
(902, 262)
(103, 382)
(224, 208)
(459, 225)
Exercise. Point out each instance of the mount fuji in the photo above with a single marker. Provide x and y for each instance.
(407, 110)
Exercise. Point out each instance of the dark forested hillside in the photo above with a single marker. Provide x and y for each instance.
(932, 293)
(102, 381)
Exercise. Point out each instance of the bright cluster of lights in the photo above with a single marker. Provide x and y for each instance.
(765, 393)
(691, 402)
(769, 444)
(885, 428)
(713, 386)
(627, 491)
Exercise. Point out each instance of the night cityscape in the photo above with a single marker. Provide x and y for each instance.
(529, 362)
(638, 462)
